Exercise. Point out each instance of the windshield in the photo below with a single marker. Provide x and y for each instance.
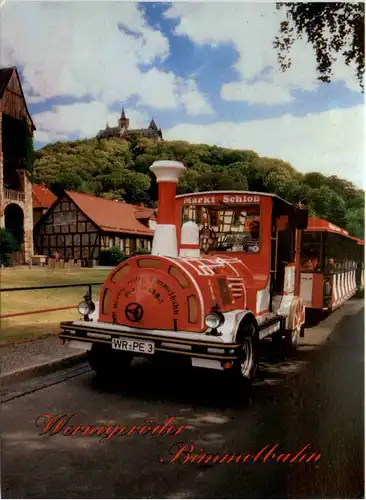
(226, 229)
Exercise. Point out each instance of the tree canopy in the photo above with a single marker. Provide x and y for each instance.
(333, 28)
(119, 169)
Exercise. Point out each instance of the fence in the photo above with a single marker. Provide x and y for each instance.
(44, 287)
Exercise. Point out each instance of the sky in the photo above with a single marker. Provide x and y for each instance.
(207, 72)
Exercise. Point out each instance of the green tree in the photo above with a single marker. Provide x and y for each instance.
(329, 205)
(119, 169)
(355, 222)
(333, 28)
(282, 180)
(8, 246)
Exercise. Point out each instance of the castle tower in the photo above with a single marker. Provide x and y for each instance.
(153, 125)
(123, 122)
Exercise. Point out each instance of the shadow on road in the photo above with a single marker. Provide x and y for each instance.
(178, 382)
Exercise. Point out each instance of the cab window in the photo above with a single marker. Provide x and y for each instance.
(226, 228)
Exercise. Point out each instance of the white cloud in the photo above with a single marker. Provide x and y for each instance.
(164, 90)
(256, 93)
(76, 49)
(251, 27)
(194, 102)
(82, 119)
(330, 142)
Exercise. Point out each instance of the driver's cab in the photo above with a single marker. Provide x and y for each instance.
(226, 229)
(258, 228)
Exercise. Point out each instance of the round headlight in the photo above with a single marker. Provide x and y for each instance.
(86, 308)
(214, 320)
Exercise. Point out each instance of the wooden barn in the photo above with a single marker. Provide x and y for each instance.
(78, 226)
(16, 133)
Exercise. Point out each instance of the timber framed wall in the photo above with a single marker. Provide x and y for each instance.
(70, 232)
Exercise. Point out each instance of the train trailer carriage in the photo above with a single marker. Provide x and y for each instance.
(332, 265)
(223, 274)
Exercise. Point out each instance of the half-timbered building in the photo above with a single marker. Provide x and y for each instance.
(79, 226)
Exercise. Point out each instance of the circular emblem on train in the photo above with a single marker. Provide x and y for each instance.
(134, 312)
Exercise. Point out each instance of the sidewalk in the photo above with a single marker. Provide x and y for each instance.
(24, 357)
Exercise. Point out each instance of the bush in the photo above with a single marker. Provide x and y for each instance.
(8, 246)
(141, 251)
(111, 257)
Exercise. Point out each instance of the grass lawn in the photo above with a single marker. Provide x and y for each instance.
(34, 325)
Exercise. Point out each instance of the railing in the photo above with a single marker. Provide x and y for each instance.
(42, 287)
(11, 194)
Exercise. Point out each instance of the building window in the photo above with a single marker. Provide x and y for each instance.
(127, 246)
(105, 241)
(132, 245)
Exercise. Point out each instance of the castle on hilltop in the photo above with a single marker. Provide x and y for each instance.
(122, 130)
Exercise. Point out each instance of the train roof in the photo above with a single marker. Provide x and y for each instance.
(316, 224)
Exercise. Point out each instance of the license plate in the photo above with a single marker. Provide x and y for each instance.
(140, 346)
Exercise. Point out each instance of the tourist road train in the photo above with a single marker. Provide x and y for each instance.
(225, 272)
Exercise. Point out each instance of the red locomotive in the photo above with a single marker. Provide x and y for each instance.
(223, 274)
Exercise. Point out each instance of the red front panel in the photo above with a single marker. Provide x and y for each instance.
(151, 293)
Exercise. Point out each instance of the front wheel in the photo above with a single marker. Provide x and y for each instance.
(108, 364)
(245, 368)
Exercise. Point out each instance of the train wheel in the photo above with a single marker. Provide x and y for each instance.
(297, 321)
(245, 368)
(107, 364)
(291, 341)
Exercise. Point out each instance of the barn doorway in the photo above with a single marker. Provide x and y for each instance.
(14, 222)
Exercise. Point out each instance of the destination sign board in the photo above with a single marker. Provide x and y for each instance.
(226, 199)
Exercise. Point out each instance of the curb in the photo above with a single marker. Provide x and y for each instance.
(43, 368)
(29, 339)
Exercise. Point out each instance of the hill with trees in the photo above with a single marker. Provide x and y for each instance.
(119, 169)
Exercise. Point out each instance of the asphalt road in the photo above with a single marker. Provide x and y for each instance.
(315, 399)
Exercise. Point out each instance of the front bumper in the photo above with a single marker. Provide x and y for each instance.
(217, 351)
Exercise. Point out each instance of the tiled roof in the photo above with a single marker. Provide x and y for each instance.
(109, 215)
(144, 212)
(42, 197)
